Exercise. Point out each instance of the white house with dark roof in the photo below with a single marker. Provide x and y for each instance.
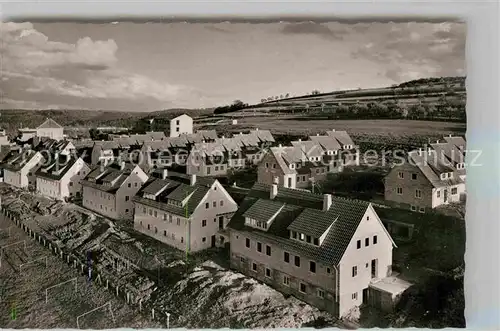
(330, 252)
(60, 178)
(429, 178)
(188, 213)
(19, 167)
(180, 125)
(108, 190)
(49, 129)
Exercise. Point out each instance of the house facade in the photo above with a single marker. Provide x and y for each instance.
(109, 190)
(182, 124)
(60, 178)
(427, 179)
(20, 166)
(324, 250)
(189, 214)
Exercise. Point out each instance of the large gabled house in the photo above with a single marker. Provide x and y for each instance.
(109, 189)
(333, 253)
(186, 212)
(19, 167)
(60, 176)
(428, 178)
(49, 129)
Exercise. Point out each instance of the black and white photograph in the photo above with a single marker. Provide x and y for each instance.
(233, 174)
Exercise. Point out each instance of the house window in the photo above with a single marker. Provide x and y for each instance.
(302, 288)
(259, 247)
(316, 241)
(301, 236)
(164, 233)
(268, 250)
(354, 271)
(204, 223)
(216, 168)
(149, 227)
(421, 209)
(438, 194)
(308, 239)
(274, 165)
(254, 267)
(367, 242)
(328, 270)
(418, 193)
(355, 296)
(129, 184)
(400, 190)
(297, 261)
(286, 257)
(359, 244)
(374, 240)
(156, 230)
(413, 208)
(221, 203)
(126, 210)
(170, 217)
(267, 165)
(321, 294)
(401, 175)
(294, 235)
(247, 243)
(207, 205)
(312, 266)
(156, 213)
(178, 221)
(414, 176)
(214, 204)
(144, 211)
(204, 239)
(268, 272)
(182, 240)
(286, 280)
(126, 198)
(242, 259)
(454, 190)
(135, 184)
(71, 184)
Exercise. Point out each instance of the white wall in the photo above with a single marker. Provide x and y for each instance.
(382, 251)
(181, 124)
(54, 133)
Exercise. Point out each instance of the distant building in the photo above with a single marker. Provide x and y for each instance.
(188, 213)
(108, 190)
(333, 253)
(49, 129)
(181, 124)
(4, 139)
(429, 177)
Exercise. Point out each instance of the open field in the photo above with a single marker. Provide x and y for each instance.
(297, 126)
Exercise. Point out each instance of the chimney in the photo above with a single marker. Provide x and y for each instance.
(193, 180)
(300, 140)
(449, 135)
(437, 141)
(256, 129)
(317, 134)
(420, 152)
(429, 150)
(280, 146)
(327, 201)
(333, 130)
(274, 189)
(164, 174)
(122, 165)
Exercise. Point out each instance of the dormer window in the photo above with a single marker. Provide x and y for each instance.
(292, 166)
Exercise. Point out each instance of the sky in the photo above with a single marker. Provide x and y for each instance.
(153, 66)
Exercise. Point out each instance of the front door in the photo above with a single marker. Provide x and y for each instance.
(374, 268)
(213, 241)
(221, 222)
(365, 295)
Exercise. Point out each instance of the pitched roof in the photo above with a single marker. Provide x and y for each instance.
(303, 213)
(263, 210)
(49, 124)
(342, 137)
(175, 191)
(17, 160)
(432, 166)
(109, 178)
(58, 167)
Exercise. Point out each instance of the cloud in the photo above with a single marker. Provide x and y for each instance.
(415, 50)
(86, 69)
(312, 28)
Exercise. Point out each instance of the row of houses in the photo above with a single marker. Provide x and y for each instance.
(305, 163)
